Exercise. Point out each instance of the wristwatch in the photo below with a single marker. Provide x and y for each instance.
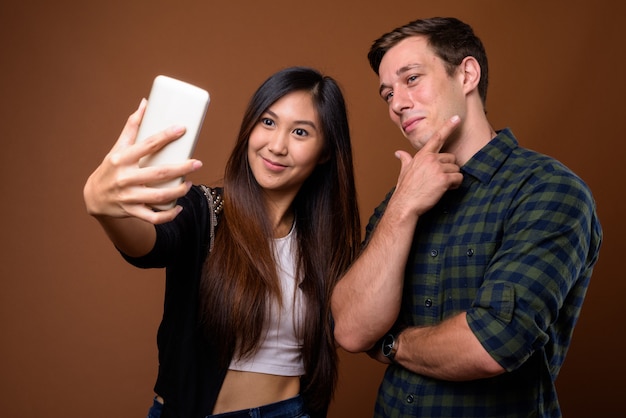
(390, 346)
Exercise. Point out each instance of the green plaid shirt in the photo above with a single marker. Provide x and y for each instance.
(514, 247)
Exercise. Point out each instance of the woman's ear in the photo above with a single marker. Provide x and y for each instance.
(324, 156)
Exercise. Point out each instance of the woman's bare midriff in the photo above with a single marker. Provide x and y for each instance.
(243, 390)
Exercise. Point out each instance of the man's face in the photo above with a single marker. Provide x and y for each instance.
(419, 92)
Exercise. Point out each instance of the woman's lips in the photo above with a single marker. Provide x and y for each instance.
(274, 166)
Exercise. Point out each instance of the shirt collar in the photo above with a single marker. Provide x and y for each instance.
(486, 162)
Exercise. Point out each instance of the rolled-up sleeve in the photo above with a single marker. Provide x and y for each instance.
(535, 284)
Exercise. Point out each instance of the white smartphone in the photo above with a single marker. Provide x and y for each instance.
(172, 102)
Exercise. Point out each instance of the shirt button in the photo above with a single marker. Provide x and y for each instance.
(433, 253)
(410, 399)
(428, 302)
(470, 252)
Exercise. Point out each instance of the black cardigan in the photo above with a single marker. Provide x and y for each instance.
(189, 378)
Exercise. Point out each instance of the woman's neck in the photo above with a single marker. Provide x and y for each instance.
(283, 226)
(281, 215)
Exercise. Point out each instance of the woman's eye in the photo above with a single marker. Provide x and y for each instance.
(267, 122)
(300, 132)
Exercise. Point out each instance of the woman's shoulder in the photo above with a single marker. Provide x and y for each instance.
(213, 196)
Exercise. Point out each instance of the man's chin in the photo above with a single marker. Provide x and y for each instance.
(416, 142)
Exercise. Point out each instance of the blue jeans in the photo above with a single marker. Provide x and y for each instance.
(289, 408)
(155, 409)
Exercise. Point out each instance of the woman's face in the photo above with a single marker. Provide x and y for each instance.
(286, 145)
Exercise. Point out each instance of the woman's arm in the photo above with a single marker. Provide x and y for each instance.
(116, 193)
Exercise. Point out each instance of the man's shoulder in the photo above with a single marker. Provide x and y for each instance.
(543, 166)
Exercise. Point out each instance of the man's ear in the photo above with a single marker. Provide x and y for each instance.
(471, 74)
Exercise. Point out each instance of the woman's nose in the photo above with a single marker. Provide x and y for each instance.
(278, 143)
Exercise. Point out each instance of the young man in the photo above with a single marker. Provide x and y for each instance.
(477, 263)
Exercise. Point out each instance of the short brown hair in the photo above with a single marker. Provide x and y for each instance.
(451, 39)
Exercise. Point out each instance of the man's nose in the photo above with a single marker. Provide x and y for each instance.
(400, 101)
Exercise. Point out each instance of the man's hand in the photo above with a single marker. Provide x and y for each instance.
(426, 176)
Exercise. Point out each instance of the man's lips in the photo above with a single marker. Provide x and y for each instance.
(410, 124)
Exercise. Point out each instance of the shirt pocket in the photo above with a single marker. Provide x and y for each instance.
(463, 274)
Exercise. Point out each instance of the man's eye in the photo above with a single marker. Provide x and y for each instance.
(388, 96)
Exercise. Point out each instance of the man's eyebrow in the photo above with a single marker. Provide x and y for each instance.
(399, 72)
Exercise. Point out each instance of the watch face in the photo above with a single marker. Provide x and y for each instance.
(387, 345)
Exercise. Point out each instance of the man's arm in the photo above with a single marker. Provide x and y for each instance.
(446, 351)
(366, 301)
(533, 283)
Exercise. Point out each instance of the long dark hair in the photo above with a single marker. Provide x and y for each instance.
(240, 276)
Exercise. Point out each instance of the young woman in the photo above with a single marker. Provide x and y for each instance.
(250, 266)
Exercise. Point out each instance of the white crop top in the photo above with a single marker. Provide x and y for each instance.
(280, 351)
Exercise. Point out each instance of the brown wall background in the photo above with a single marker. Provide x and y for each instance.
(77, 324)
